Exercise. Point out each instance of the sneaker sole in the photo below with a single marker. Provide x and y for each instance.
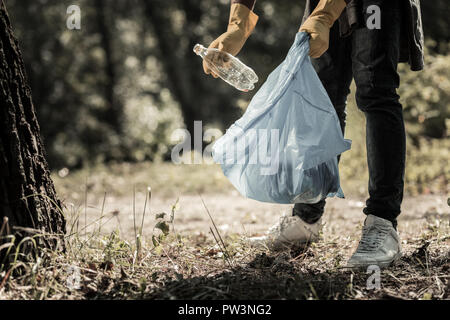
(381, 264)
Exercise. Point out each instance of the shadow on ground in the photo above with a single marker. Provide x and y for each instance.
(416, 276)
(262, 278)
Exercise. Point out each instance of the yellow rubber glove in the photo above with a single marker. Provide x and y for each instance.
(241, 24)
(319, 23)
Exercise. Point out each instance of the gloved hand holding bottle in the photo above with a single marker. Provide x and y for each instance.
(241, 24)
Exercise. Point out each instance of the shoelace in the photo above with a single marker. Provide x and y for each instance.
(372, 237)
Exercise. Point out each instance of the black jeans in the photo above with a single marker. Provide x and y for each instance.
(370, 56)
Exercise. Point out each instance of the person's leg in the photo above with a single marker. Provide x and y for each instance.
(335, 73)
(375, 54)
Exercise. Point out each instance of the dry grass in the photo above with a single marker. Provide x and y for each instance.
(170, 262)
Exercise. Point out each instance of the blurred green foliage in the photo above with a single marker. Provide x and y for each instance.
(116, 89)
(426, 97)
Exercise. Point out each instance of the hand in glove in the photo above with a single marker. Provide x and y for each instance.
(319, 23)
(241, 24)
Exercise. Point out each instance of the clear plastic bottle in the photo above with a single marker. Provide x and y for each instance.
(228, 67)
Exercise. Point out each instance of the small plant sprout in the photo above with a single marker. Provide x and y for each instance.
(139, 237)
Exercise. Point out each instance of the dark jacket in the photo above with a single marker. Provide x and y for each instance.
(411, 49)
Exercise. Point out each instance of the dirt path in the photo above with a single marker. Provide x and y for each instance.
(236, 214)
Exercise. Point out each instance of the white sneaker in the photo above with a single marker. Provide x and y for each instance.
(379, 245)
(289, 231)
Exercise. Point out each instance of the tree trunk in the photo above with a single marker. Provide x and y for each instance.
(28, 201)
(185, 90)
(114, 112)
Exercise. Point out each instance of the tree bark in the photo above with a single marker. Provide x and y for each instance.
(28, 201)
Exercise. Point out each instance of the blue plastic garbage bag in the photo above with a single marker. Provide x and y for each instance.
(284, 148)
